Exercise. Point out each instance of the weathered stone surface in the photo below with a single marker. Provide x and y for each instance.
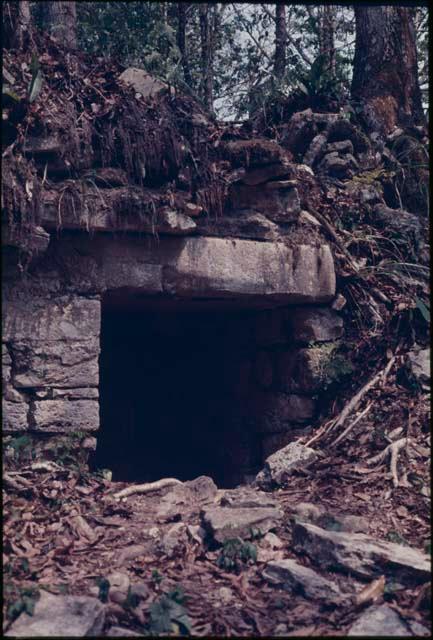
(61, 616)
(337, 167)
(224, 523)
(280, 465)
(174, 540)
(59, 363)
(242, 223)
(65, 318)
(380, 620)
(256, 152)
(175, 223)
(314, 325)
(316, 149)
(34, 241)
(122, 632)
(143, 83)
(280, 204)
(360, 554)
(274, 411)
(303, 370)
(419, 365)
(119, 586)
(259, 175)
(344, 146)
(203, 489)
(14, 416)
(6, 358)
(246, 497)
(295, 577)
(85, 393)
(175, 504)
(219, 267)
(398, 223)
(318, 515)
(64, 415)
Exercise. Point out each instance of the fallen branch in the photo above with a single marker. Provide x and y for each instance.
(352, 424)
(393, 449)
(352, 404)
(146, 488)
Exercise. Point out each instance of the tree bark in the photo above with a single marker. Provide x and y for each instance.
(385, 74)
(16, 24)
(280, 41)
(181, 41)
(61, 20)
(326, 39)
(206, 56)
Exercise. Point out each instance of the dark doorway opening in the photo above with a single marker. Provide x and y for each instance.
(173, 387)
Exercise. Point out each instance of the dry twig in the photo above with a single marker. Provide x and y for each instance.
(393, 449)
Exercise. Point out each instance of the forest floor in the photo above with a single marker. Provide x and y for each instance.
(65, 532)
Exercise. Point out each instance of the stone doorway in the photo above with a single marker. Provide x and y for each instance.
(174, 389)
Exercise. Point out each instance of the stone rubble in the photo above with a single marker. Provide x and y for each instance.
(60, 616)
(281, 464)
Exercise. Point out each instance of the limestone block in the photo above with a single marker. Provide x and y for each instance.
(297, 578)
(64, 318)
(14, 416)
(283, 463)
(58, 364)
(272, 412)
(280, 205)
(224, 523)
(302, 370)
(263, 174)
(145, 84)
(344, 146)
(215, 267)
(315, 325)
(65, 415)
(256, 152)
(6, 358)
(61, 616)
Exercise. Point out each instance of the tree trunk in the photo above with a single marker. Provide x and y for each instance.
(181, 41)
(206, 56)
(326, 39)
(61, 20)
(385, 74)
(280, 41)
(16, 24)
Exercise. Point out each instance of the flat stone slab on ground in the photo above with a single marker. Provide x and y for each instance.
(293, 576)
(381, 620)
(224, 523)
(360, 554)
(281, 464)
(61, 616)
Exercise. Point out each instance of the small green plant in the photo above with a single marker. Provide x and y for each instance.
(104, 588)
(24, 600)
(156, 576)
(236, 552)
(394, 536)
(169, 615)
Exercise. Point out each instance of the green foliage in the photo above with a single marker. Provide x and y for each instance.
(23, 600)
(169, 615)
(236, 552)
(394, 536)
(104, 588)
(424, 308)
(156, 576)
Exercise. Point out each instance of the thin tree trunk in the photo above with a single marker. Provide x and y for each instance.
(16, 24)
(385, 74)
(206, 56)
(280, 41)
(61, 20)
(326, 39)
(181, 41)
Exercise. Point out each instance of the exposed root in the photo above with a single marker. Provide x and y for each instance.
(352, 424)
(352, 404)
(393, 449)
(147, 487)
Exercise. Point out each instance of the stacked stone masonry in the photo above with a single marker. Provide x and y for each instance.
(257, 256)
